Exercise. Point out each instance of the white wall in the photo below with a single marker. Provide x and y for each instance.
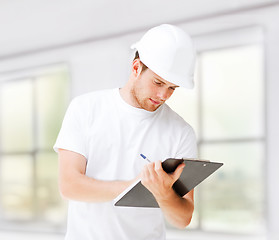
(105, 64)
(96, 65)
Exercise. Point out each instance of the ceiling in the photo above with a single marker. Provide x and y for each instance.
(30, 25)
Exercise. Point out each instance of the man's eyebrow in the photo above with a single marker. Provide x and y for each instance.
(159, 80)
(174, 86)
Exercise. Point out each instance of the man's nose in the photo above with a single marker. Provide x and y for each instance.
(164, 94)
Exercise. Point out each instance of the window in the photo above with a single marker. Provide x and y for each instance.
(31, 109)
(227, 112)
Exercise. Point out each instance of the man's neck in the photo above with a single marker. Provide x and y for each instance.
(127, 96)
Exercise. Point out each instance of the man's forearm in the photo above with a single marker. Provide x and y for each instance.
(84, 188)
(178, 211)
(75, 185)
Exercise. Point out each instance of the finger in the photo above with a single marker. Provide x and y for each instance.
(158, 168)
(150, 167)
(145, 172)
(152, 174)
(176, 174)
(149, 171)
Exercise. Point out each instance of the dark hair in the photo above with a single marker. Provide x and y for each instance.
(144, 67)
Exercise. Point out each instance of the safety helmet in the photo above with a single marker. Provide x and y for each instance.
(169, 52)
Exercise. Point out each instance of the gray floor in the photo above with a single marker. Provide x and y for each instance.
(28, 236)
(171, 236)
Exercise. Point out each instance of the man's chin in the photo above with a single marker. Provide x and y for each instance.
(149, 105)
(152, 108)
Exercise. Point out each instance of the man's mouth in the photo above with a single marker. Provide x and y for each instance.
(154, 102)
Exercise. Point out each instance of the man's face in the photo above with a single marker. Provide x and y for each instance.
(151, 91)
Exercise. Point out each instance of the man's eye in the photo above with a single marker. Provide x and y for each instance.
(157, 83)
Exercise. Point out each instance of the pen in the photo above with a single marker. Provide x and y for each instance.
(144, 157)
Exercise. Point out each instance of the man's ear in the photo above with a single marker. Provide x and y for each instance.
(136, 68)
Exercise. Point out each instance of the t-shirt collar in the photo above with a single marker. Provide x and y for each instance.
(134, 110)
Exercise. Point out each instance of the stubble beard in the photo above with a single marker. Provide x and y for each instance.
(142, 103)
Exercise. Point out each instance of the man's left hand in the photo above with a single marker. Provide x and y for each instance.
(157, 181)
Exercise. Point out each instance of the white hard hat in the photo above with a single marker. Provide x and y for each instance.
(169, 52)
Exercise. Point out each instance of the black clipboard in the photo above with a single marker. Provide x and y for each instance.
(194, 172)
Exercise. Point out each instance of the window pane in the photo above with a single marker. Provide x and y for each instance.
(233, 197)
(52, 99)
(31, 115)
(232, 88)
(50, 205)
(185, 103)
(195, 218)
(16, 116)
(16, 187)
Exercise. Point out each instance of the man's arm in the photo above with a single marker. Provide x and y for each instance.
(75, 185)
(177, 210)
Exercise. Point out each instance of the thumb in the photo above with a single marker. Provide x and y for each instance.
(176, 174)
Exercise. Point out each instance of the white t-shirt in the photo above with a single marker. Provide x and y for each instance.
(111, 135)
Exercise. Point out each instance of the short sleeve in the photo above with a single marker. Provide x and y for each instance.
(188, 144)
(72, 133)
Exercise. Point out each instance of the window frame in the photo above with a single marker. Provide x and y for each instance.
(33, 74)
(214, 41)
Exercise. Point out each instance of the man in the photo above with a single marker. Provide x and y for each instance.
(104, 133)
